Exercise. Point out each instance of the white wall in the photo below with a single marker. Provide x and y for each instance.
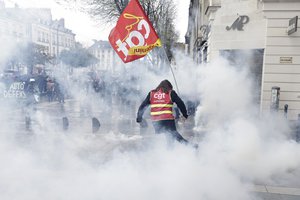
(280, 44)
(253, 35)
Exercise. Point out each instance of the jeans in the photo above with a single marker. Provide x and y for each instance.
(169, 127)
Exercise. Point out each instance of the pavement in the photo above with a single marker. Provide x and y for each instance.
(268, 192)
(79, 117)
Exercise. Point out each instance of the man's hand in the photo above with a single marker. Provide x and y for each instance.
(139, 119)
(185, 116)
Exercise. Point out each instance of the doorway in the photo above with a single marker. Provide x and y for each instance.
(251, 59)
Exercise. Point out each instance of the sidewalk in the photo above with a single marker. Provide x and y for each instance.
(275, 190)
(266, 192)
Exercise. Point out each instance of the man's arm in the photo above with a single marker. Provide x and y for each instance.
(142, 108)
(180, 104)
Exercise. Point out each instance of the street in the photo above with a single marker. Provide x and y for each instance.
(116, 133)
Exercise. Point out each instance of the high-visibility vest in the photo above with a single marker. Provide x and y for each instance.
(161, 105)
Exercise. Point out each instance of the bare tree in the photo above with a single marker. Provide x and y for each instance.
(161, 13)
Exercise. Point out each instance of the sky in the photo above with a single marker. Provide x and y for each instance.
(85, 28)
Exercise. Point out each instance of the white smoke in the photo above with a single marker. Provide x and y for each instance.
(256, 147)
(238, 147)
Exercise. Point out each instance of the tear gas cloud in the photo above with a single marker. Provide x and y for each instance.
(237, 146)
(238, 149)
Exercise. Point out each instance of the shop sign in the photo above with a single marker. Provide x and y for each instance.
(239, 23)
(286, 60)
(15, 90)
(293, 23)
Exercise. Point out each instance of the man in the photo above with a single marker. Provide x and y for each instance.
(161, 102)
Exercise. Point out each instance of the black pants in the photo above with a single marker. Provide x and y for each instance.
(168, 126)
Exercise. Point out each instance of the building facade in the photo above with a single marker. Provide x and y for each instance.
(108, 59)
(258, 34)
(37, 26)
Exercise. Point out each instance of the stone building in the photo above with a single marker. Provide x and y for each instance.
(258, 34)
(108, 59)
(35, 25)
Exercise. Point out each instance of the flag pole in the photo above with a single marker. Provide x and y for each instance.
(166, 56)
(118, 38)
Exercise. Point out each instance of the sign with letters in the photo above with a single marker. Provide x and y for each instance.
(293, 23)
(133, 36)
(239, 23)
(286, 60)
(15, 90)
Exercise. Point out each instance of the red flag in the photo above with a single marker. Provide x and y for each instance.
(133, 36)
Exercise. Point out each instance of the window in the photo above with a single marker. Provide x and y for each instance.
(39, 36)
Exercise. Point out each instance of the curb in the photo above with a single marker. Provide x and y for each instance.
(275, 190)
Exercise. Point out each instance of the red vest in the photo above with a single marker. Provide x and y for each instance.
(161, 105)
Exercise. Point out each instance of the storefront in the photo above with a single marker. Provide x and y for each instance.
(237, 32)
(262, 36)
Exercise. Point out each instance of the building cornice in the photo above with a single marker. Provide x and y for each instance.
(211, 6)
(211, 9)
